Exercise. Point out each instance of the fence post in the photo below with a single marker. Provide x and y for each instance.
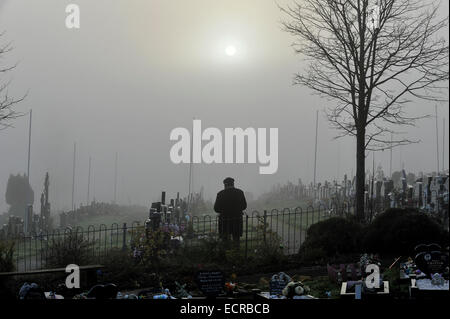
(265, 219)
(124, 236)
(246, 236)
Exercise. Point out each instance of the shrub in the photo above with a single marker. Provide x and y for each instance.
(122, 269)
(210, 250)
(398, 289)
(398, 231)
(332, 237)
(151, 247)
(269, 251)
(7, 290)
(6, 256)
(71, 249)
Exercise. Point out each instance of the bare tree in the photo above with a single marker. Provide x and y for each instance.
(370, 58)
(7, 103)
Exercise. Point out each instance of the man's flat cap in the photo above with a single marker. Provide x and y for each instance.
(228, 181)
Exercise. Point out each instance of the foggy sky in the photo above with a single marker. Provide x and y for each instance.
(137, 69)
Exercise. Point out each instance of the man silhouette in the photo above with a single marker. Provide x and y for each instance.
(230, 204)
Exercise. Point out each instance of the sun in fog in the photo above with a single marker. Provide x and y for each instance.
(230, 50)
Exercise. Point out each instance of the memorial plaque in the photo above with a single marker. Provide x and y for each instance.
(278, 282)
(431, 262)
(210, 283)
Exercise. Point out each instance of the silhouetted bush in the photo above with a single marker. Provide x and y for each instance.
(398, 231)
(6, 256)
(330, 238)
(6, 265)
(69, 249)
(122, 269)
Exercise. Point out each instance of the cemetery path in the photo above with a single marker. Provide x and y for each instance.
(291, 235)
(292, 230)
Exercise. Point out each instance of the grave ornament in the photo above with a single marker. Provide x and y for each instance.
(278, 282)
(210, 283)
(431, 261)
(295, 288)
(437, 280)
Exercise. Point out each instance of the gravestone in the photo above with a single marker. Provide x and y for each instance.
(430, 259)
(210, 283)
(155, 216)
(278, 282)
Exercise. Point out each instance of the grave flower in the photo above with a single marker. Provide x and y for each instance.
(437, 280)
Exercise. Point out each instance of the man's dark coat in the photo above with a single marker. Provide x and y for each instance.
(230, 204)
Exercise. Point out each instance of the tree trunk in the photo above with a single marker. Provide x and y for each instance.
(360, 172)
